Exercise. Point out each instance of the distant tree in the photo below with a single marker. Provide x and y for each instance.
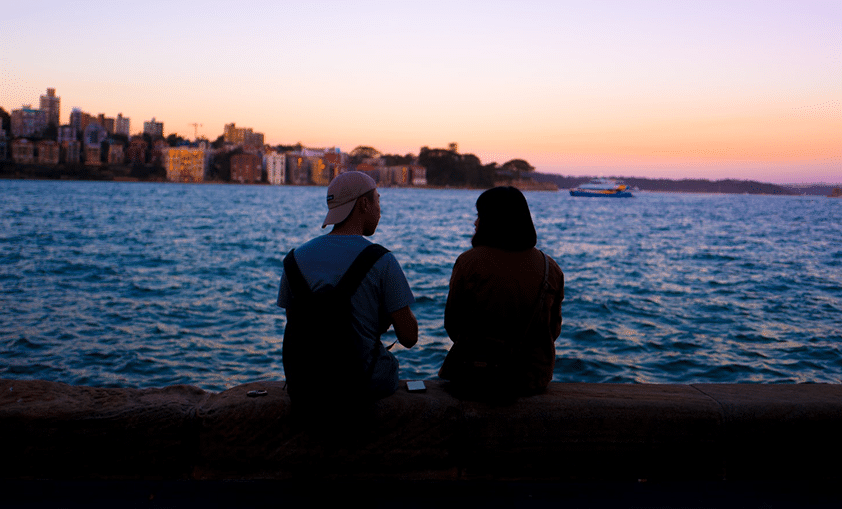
(395, 160)
(518, 167)
(290, 148)
(362, 152)
(444, 167)
(488, 175)
(174, 140)
(221, 169)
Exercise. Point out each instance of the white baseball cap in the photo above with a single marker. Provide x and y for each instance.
(342, 194)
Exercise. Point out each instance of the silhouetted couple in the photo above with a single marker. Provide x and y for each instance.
(503, 310)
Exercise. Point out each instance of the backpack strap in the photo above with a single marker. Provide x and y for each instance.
(296, 280)
(360, 267)
(350, 280)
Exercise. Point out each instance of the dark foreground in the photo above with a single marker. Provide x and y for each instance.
(412, 494)
(578, 445)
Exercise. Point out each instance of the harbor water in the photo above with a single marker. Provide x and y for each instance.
(117, 284)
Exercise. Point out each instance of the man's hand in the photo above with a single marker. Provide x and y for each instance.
(406, 326)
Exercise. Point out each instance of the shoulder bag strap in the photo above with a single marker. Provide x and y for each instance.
(544, 285)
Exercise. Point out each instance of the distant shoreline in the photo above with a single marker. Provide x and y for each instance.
(539, 181)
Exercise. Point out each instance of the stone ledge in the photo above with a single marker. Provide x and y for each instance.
(573, 432)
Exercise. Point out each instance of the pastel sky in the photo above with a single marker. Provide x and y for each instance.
(662, 89)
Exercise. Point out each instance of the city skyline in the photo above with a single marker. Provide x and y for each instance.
(746, 90)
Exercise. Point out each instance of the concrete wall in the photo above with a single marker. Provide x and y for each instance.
(574, 432)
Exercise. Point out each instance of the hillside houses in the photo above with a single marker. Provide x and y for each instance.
(102, 144)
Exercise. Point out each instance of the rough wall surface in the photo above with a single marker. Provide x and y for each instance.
(572, 432)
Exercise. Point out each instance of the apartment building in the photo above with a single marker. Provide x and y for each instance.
(48, 152)
(23, 151)
(319, 171)
(4, 145)
(80, 120)
(94, 134)
(116, 153)
(51, 104)
(298, 169)
(275, 165)
(419, 175)
(246, 168)
(66, 133)
(107, 123)
(92, 155)
(185, 164)
(71, 152)
(136, 153)
(122, 125)
(242, 136)
(398, 175)
(28, 122)
(153, 128)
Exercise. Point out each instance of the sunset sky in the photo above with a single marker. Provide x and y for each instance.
(661, 89)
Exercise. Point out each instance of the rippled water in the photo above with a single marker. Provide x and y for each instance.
(141, 285)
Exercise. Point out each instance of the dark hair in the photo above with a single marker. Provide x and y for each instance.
(504, 220)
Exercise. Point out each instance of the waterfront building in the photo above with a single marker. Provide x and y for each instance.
(122, 125)
(4, 145)
(93, 155)
(47, 152)
(80, 120)
(116, 153)
(242, 136)
(66, 132)
(319, 171)
(136, 153)
(153, 128)
(399, 175)
(71, 152)
(23, 151)
(231, 134)
(94, 134)
(275, 165)
(185, 164)
(246, 168)
(419, 175)
(298, 169)
(51, 104)
(28, 122)
(107, 123)
(156, 152)
(337, 162)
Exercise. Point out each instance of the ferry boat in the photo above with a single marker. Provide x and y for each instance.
(601, 187)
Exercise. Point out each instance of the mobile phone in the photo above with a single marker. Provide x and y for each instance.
(416, 386)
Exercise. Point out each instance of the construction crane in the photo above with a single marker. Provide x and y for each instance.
(195, 130)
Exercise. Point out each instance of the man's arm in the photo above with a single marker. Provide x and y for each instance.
(406, 326)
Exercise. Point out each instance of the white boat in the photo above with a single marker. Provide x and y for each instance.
(603, 188)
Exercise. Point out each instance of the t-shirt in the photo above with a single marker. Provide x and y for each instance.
(384, 290)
